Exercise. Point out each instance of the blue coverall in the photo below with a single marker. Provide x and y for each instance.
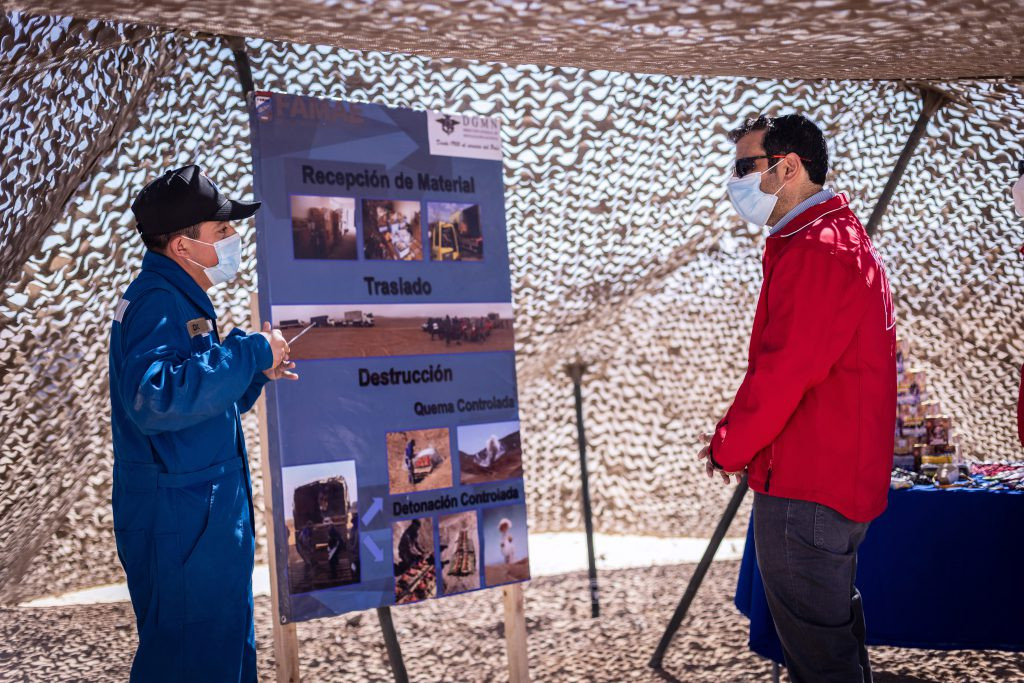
(182, 498)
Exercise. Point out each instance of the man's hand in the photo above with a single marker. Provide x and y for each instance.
(705, 454)
(282, 367)
(282, 371)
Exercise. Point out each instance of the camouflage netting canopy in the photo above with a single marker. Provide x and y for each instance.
(624, 251)
(938, 39)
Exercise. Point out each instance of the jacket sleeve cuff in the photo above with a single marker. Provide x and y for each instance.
(711, 457)
(259, 379)
(262, 352)
(716, 443)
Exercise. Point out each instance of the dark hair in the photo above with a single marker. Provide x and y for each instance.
(791, 133)
(160, 242)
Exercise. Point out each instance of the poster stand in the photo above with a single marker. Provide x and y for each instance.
(286, 642)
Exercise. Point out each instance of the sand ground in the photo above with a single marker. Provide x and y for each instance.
(389, 337)
(96, 642)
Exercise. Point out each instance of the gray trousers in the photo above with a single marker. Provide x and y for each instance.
(807, 554)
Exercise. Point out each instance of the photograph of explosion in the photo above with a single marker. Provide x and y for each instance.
(413, 552)
(455, 233)
(460, 552)
(323, 526)
(323, 227)
(506, 556)
(337, 331)
(391, 230)
(419, 460)
(489, 452)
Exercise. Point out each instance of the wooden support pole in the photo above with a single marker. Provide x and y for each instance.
(286, 640)
(515, 634)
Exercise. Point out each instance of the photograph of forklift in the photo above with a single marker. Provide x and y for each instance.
(323, 227)
(372, 330)
(455, 232)
(323, 525)
(413, 552)
(391, 230)
(460, 552)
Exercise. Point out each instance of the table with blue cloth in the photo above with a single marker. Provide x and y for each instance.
(939, 569)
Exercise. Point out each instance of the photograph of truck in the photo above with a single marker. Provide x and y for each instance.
(369, 330)
(323, 527)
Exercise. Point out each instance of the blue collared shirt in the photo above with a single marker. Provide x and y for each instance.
(815, 199)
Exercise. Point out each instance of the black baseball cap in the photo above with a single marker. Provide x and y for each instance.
(184, 197)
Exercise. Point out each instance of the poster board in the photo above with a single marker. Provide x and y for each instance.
(395, 461)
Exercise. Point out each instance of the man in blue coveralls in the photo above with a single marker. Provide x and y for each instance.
(182, 498)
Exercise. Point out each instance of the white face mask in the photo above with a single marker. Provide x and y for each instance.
(753, 205)
(1018, 196)
(229, 258)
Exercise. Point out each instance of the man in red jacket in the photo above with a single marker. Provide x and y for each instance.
(812, 422)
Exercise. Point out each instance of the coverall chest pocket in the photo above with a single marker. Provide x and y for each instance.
(208, 576)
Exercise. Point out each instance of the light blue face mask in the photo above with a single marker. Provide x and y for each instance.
(753, 205)
(229, 258)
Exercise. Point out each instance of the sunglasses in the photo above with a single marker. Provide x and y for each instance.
(745, 165)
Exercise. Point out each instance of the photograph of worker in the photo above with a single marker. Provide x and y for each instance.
(419, 460)
(489, 452)
(391, 230)
(506, 556)
(371, 330)
(460, 552)
(455, 232)
(322, 525)
(413, 552)
(324, 227)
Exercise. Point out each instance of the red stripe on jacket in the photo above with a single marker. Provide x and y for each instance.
(814, 417)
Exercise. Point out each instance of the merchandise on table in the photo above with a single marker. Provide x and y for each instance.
(913, 388)
(929, 408)
(939, 429)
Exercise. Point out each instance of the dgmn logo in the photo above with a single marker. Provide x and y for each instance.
(448, 124)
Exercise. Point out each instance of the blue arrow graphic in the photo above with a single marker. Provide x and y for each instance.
(378, 555)
(376, 506)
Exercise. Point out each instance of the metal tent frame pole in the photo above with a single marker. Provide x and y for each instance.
(575, 372)
(932, 100)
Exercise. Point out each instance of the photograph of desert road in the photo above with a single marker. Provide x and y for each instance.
(367, 330)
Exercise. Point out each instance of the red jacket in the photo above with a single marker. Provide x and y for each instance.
(814, 417)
